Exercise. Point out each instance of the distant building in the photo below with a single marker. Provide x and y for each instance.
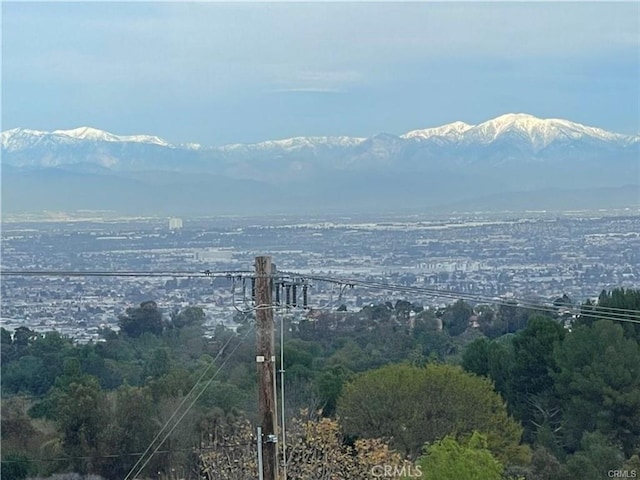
(175, 223)
(213, 255)
(448, 266)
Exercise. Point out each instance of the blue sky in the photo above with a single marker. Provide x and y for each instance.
(217, 73)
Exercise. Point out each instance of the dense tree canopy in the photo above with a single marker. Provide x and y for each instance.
(598, 382)
(412, 406)
(147, 318)
(470, 459)
(381, 372)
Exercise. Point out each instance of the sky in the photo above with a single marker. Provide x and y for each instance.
(220, 73)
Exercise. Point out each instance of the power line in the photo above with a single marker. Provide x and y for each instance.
(613, 313)
(204, 388)
(616, 314)
(98, 273)
(204, 373)
(120, 455)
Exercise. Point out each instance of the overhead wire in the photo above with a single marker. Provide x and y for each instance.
(184, 400)
(98, 273)
(127, 454)
(617, 314)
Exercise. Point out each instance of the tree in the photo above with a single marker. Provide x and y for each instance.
(598, 384)
(530, 390)
(7, 348)
(131, 429)
(16, 467)
(328, 386)
(145, 318)
(158, 364)
(189, 317)
(455, 319)
(513, 318)
(412, 406)
(78, 409)
(475, 358)
(470, 459)
(610, 304)
(595, 459)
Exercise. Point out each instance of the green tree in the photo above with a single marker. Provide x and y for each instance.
(595, 459)
(494, 359)
(611, 304)
(158, 364)
(328, 386)
(7, 349)
(448, 459)
(475, 358)
(78, 407)
(455, 319)
(131, 428)
(530, 389)
(16, 467)
(598, 383)
(412, 406)
(188, 317)
(512, 316)
(146, 318)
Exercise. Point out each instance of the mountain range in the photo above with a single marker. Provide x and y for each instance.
(542, 162)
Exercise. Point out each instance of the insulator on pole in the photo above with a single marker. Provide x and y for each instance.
(305, 296)
(278, 285)
(295, 296)
(253, 289)
(287, 295)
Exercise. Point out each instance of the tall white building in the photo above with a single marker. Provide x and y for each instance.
(175, 223)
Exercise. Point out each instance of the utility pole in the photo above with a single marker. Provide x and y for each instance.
(265, 360)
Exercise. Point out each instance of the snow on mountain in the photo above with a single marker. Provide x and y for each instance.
(93, 134)
(513, 137)
(452, 131)
(539, 132)
(295, 143)
(20, 138)
(87, 133)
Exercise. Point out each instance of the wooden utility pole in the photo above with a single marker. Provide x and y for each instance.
(265, 359)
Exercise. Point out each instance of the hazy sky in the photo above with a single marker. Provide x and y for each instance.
(217, 73)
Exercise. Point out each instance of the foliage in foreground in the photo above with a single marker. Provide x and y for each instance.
(469, 459)
(316, 450)
(417, 405)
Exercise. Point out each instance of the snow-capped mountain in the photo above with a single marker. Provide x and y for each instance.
(450, 132)
(509, 153)
(19, 139)
(523, 130)
(538, 132)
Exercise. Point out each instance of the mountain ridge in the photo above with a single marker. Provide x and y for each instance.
(549, 129)
(439, 165)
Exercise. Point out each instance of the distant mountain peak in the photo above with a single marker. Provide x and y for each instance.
(87, 133)
(455, 130)
(19, 138)
(537, 131)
